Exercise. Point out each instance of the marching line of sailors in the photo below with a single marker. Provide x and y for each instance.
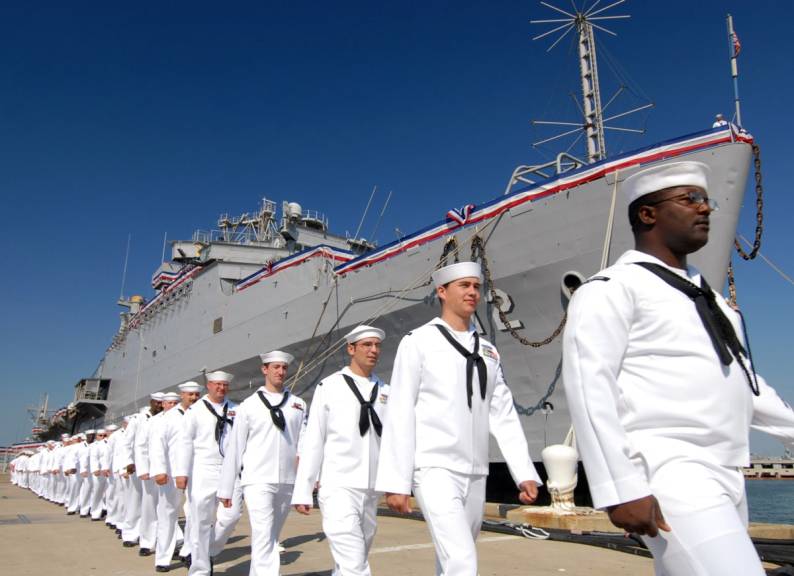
(661, 388)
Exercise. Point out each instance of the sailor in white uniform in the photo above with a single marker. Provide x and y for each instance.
(120, 462)
(201, 445)
(132, 519)
(113, 485)
(341, 447)
(160, 433)
(148, 525)
(661, 389)
(263, 454)
(447, 394)
(72, 468)
(98, 458)
(86, 473)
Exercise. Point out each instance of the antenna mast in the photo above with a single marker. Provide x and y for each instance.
(593, 124)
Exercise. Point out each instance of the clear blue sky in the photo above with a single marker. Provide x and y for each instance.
(155, 117)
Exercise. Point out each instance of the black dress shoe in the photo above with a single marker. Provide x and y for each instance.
(162, 568)
(83, 515)
(186, 560)
(129, 544)
(96, 519)
(118, 530)
(145, 552)
(71, 513)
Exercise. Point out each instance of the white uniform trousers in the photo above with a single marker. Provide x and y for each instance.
(86, 490)
(111, 493)
(184, 551)
(211, 523)
(148, 527)
(132, 519)
(268, 506)
(349, 522)
(453, 505)
(97, 497)
(168, 531)
(74, 492)
(123, 485)
(706, 508)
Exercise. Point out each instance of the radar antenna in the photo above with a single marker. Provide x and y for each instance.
(584, 21)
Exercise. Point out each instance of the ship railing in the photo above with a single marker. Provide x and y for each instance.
(563, 163)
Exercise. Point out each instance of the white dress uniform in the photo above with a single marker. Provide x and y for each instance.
(264, 458)
(148, 526)
(112, 481)
(656, 413)
(199, 457)
(33, 471)
(119, 439)
(334, 451)
(72, 462)
(134, 490)
(87, 478)
(99, 461)
(436, 444)
(162, 448)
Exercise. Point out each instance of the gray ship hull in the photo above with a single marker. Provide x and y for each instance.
(532, 241)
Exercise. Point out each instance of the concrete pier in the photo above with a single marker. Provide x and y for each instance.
(37, 537)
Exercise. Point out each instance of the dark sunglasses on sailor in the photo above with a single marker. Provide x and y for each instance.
(693, 197)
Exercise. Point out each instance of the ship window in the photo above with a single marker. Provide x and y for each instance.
(217, 325)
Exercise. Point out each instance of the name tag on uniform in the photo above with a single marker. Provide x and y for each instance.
(231, 413)
(489, 352)
(297, 406)
(383, 398)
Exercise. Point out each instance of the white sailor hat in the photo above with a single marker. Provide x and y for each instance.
(171, 397)
(101, 431)
(456, 271)
(65, 436)
(158, 396)
(219, 376)
(190, 386)
(87, 432)
(276, 356)
(364, 331)
(657, 178)
(111, 427)
(81, 436)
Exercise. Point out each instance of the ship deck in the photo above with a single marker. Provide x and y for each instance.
(37, 537)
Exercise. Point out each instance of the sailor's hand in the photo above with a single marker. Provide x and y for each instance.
(161, 479)
(227, 502)
(642, 516)
(529, 491)
(144, 476)
(130, 468)
(399, 503)
(181, 482)
(303, 509)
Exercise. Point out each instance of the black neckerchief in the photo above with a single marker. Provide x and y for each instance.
(472, 359)
(275, 411)
(720, 330)
(221, 424)
(367, 408)
(181, 411)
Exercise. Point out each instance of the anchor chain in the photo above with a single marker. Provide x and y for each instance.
(759, 226)
(478, 252)
(759, 209)
(450, 247)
